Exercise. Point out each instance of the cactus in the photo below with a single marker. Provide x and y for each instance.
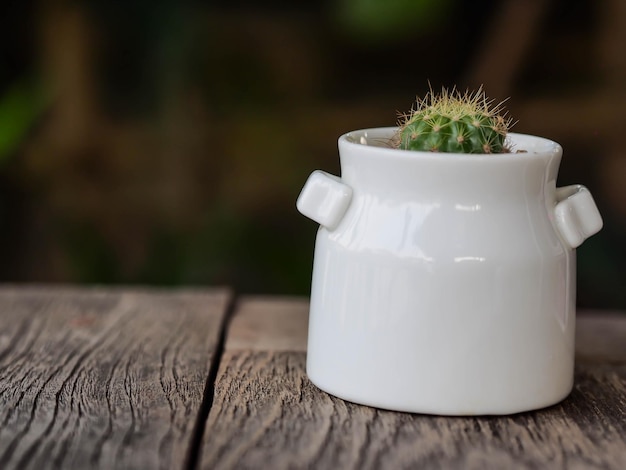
(455, 123)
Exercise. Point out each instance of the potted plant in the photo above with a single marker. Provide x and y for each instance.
(444, 269)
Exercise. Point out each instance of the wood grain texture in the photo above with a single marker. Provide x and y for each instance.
(266, 414)
(103, 378)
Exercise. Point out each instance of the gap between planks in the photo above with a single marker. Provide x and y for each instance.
(209, 389)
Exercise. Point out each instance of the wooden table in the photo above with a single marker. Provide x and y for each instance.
(139, 378)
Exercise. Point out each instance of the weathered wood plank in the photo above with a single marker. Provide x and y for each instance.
(268, 324)
(267, 414)
(601, 336)
(103, 378)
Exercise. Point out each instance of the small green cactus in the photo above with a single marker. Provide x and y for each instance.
(455, 123)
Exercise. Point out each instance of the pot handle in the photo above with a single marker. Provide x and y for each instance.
(576, 214)
(324, 199)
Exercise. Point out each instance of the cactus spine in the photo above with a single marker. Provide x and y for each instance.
(455, 123)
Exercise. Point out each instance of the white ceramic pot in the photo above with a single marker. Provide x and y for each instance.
(445, 283)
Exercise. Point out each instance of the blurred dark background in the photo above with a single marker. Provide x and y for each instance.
(165, 142)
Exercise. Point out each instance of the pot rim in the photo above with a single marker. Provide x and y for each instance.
(524, 146)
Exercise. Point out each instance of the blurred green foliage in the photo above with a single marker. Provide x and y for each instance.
(20, 105)
(375, 20)
(181, 131)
